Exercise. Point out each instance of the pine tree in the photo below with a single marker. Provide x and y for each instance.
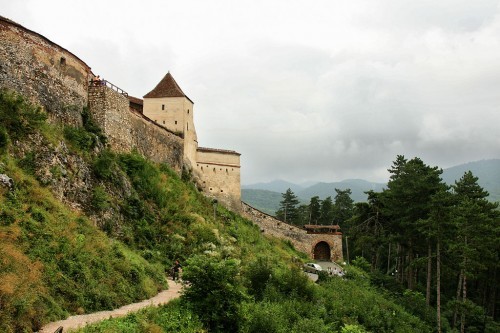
(288, 210)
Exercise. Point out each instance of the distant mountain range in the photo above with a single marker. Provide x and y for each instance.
(267, 196)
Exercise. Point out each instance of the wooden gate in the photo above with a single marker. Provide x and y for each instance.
(322, 251)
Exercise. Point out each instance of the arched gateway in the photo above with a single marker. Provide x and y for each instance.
(320, 242)
(322, 251)
(327, 242)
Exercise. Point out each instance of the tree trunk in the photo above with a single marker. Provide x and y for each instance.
(429, 274)
(438, 286)
(410, 270)
(493, 298)
(459, 291)
(389, 259)
(464, 299)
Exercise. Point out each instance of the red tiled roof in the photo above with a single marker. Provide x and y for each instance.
(166, 88)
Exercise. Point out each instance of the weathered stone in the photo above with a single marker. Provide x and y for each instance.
(300, 239)
(6, 181)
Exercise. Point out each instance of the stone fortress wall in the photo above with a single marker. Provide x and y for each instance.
(58, 80)
(127, 130)
(300, 238)
(43, 71)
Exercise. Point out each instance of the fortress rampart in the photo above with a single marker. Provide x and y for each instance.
(58, 80)
(43, 71)
(310, 243)
(127, 130)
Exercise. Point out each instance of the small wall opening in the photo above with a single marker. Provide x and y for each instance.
(322, 251)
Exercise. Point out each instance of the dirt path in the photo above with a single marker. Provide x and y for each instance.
(74, 322)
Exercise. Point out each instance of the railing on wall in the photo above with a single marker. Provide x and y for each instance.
(104, 83)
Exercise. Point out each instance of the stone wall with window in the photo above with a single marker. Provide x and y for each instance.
(43, 71)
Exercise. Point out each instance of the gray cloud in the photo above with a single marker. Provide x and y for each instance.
(305, 91)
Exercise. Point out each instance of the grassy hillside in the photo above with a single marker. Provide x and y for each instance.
(54, 261)
(107, 242)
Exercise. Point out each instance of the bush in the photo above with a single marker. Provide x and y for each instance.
(18, 117)
(214, 292)
(4, 139)
(99, 200)
(80, 138)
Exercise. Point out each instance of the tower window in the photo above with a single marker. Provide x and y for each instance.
(188, 111)
(163, 107)
(164, 122)
(176, 122)
(62, 61)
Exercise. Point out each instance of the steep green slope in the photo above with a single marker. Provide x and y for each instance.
(55, 260)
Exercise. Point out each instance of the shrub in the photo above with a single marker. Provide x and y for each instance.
(4, 138)
(19, 117)
(80, 138)
(99, 200)
(214, 292)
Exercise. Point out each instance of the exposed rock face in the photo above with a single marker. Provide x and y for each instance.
(68, 175)
(6, 181)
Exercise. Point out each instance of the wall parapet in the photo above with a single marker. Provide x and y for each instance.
(299, 237)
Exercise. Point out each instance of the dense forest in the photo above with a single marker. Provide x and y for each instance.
(109, 237)
(442, 241)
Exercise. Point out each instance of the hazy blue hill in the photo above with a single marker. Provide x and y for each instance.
(266, 196)
(265, 201)
(268, 200)
(357, 186)
(279, 186)
(488, 172)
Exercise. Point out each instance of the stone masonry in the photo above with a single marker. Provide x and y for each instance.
(127, 130)
(43, 71)
(300, 239)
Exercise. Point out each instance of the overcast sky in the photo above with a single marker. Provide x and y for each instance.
(304, 90)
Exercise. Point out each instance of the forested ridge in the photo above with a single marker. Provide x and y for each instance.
(111, 241)
(441, 241)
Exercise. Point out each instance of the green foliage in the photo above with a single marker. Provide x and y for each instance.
(214, 292)
(352, 329)
(80, 138)
(28, 163)
(18, 117)
(361, 263)
(4, 139)
(57, 262)
(91, 127)
(88, 136)
(172, 317)
(99, 200)
(105, 166)
(287, 211)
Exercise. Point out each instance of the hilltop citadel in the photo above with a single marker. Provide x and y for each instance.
(160, 126)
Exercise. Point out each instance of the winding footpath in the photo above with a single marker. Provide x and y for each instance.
(74, 322)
